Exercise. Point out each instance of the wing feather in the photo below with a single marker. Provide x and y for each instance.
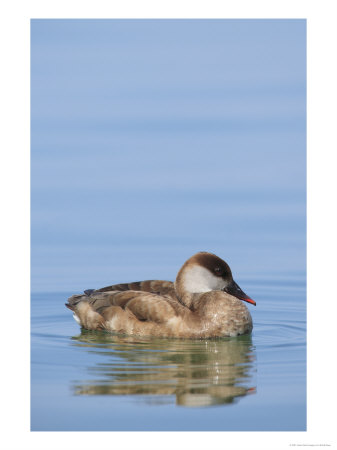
(144, 305)
(160, 287)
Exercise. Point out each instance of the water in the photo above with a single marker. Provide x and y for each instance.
(97, 381)
(151, 141)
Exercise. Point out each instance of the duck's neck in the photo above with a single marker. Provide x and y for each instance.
(185, 297)
(189, 283)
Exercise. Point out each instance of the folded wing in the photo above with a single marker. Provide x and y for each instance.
(143, 306)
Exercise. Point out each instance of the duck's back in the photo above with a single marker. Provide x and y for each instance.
(159, 287)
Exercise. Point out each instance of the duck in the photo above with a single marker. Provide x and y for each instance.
(204, 301)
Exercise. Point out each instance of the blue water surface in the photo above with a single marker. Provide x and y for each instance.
(152, 140)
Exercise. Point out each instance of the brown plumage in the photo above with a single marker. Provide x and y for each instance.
(203, 302)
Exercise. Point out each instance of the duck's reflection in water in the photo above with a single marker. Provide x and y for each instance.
(197, 372)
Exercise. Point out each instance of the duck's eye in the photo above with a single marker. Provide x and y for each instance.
(218, 271)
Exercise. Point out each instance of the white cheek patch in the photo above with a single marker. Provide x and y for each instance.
(198, 279)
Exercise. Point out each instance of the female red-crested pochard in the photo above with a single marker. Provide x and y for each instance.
(203, 302)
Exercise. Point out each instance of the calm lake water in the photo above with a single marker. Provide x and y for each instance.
(83, 380)
(153, 140)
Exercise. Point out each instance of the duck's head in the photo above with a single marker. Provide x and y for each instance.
(205, 272)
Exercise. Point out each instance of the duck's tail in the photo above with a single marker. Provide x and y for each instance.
(75, 299)
(84, 314)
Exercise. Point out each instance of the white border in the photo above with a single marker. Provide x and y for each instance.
(322, 224)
